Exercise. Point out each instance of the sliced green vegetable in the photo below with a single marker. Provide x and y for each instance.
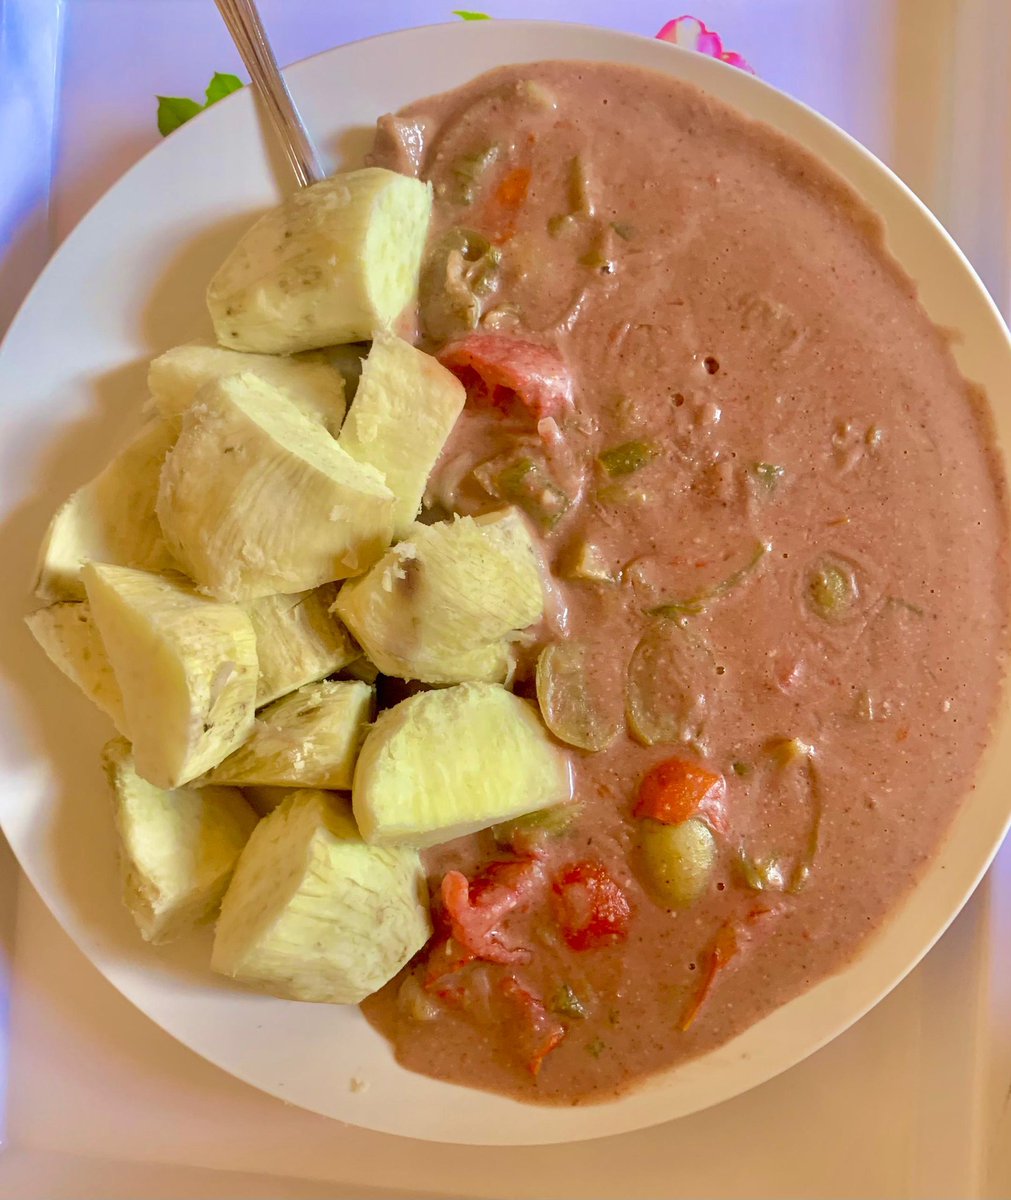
(599, 256)
(742, 769)
(584, 560)
(768, 873)
(469, 169)
(579, 187)
(573, 712)
(562, 223)
(671, 678)
(626, 458)
(536, 94)
(904, 605)
(526, 485)
(580, 206)
(551, 822)
(625, 231)
(595, 1048)
(679, 860)
(459, 274)
(761, 874)
(414, 1002)
(624, 492)
(802, 871)
(768, 474)
(692, 606)
(502, 316)
(784, 751)
(566, 1003)
(832, 589)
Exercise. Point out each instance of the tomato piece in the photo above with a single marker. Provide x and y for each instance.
(590, 906)
(476, 908)
(539, 1032)
(676, 790)
(510, 374)
(725, 946)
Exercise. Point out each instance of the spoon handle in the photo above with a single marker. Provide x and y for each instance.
(243, 21)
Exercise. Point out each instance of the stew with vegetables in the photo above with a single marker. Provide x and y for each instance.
(772, 529)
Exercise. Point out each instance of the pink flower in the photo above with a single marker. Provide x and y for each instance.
(691, 34)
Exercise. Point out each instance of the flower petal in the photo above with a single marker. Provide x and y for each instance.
(692, 34)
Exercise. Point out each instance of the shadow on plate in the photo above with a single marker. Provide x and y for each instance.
(176, 310)
(347, 151)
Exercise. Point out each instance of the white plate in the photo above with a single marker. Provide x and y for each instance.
(128, 283)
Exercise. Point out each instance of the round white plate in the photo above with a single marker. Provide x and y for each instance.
(129, 283)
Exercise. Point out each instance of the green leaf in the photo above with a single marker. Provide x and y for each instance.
(174, 111)
(221, 85)
(470, 16)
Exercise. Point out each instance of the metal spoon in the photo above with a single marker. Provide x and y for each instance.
(243, 21)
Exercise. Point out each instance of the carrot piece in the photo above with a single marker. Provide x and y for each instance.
(506, 201)
(676, 790)
(724, 947)
(513, 187)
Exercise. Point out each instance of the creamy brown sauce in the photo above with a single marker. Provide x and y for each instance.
(728, 303)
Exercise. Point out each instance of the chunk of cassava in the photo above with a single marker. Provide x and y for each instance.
(404, 409)
(314, 386)
(69, 637)
(298, 641)
(313, 913)
(449, 762)
(110, 519)
(256, 499)
(333, 263)
(177, 849)
(308, 739)
(437, 606)
(186, 667)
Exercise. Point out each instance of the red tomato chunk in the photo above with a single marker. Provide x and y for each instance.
(510, 374)
(676, 790)
(590, 906)
(476, 908)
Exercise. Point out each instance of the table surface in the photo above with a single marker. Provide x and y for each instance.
(911, 1101)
